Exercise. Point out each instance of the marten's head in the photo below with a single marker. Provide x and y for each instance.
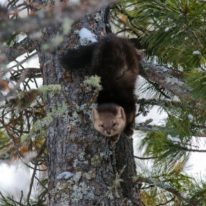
(109, 119)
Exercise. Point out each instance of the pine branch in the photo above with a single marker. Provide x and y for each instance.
(42, 149)
(166, 187)
(159, 102)
(24, 46)
(145, 158)
(166, 78)
(28, 73)
(9, 201)
(190, 149)
(167, 202)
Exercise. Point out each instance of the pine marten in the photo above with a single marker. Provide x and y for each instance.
(116, 61)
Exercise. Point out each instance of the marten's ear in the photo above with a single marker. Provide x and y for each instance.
(121, 112)
(95, 114)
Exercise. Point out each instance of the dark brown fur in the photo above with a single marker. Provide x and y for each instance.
(116, 61)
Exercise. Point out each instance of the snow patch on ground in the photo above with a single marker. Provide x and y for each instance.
(15, 179)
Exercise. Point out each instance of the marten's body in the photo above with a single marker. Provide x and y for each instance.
(116, 61)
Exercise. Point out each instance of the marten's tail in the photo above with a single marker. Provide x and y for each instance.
(79, 57)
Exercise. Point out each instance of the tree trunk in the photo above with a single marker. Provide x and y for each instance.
(82, 167)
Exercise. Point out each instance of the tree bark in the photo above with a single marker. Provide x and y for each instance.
(83, 169)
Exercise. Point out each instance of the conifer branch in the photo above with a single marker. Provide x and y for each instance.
(169, 79)
(167, 202)
(42, 149)
(166, 187)
(144, 158)
(158, 102)
(191, 149)
(24, 46)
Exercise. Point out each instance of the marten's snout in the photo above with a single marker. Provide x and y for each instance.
(108, 132)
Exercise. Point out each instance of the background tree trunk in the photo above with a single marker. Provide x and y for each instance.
(95, 173)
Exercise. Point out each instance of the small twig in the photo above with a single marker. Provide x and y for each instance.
(34, 172)
(145, 158)
(165, 203)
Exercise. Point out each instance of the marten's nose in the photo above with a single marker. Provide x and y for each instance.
(108, 132)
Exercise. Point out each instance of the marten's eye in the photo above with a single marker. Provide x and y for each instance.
(101, 125)
(114, 124)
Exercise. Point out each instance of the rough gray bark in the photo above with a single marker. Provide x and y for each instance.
(96, 174)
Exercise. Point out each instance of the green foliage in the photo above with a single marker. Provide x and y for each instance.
(170, 146)
(197, 81)
(160, 145)
(174, 31)
(172, 34)
(173, 141)
(171, 189)
(4, 145)
(3, 139)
